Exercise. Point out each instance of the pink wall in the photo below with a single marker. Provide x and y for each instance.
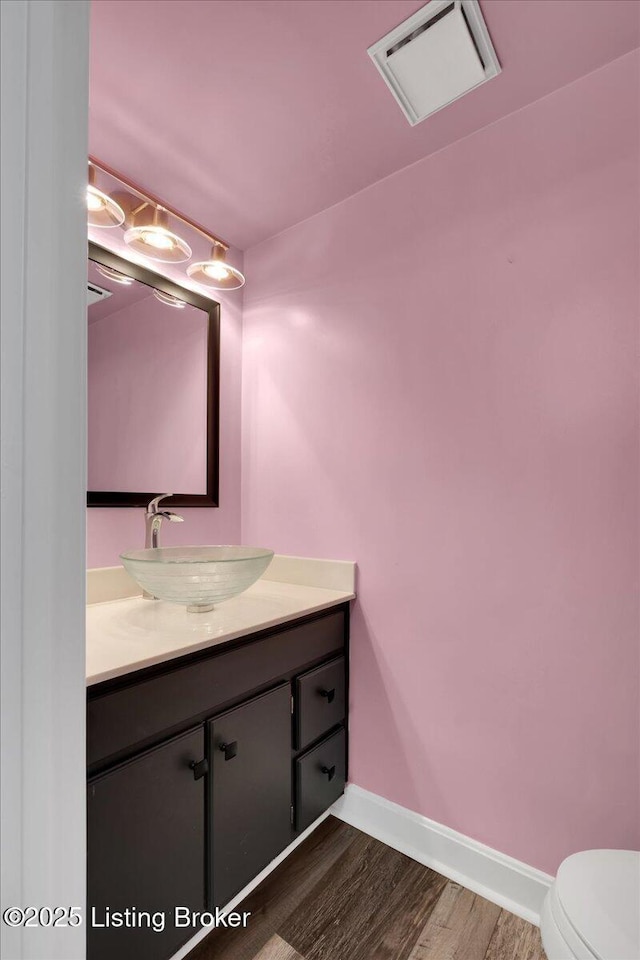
(439, 382)
(110, 531)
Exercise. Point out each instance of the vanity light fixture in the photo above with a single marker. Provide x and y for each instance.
(216, 273)
(102, 210)
(151, 236)
(114, 275)
(169, 299)
(150, 230)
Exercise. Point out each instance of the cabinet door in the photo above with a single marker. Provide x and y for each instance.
(146, 850)
(250, 750)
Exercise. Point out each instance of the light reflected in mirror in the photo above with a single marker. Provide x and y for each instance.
(150, 388)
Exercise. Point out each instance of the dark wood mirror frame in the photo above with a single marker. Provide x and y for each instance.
(102, 498)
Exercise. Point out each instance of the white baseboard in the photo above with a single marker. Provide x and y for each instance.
(510, 884)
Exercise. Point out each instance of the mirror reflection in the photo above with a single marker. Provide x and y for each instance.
(151, 387)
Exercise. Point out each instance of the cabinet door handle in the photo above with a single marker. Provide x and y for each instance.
(200, 768)
(329, 694)
(330, 771)
(229, 749)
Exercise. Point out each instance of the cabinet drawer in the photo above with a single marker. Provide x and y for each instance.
(320, 701)
(141, 710)
(320, 776)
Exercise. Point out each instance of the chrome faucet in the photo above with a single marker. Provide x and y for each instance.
(152, 522)
(153, 519)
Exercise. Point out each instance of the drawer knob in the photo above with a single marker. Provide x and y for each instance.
(229, 749)
(329, 771)
(329, 694)
(200, 768)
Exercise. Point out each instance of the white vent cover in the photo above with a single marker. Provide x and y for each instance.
(96, 293)
(437, 55)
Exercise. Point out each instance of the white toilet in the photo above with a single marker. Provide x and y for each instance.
(592, 910)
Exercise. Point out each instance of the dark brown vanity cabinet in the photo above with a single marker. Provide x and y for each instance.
(202, 770)
(250, 787)
(146, 841)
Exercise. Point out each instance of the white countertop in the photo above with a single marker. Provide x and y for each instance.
(127, 634)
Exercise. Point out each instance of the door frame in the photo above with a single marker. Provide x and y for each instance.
(44, 121)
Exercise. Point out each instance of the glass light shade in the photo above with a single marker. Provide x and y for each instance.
(103, 211)
(115, 275)
(169, 300)
(216, 273)
(150, 236)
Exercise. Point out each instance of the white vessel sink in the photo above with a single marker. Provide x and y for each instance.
(197, 577)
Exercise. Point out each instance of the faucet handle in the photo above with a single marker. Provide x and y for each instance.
(173, 517)
(153, 505)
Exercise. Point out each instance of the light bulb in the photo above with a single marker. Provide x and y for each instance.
(94, 201)
(158, 238)
(150, 236)
(216, 270)
(102, 210)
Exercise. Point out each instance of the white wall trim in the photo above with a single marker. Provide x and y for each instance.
(44, 118)
(509, 883)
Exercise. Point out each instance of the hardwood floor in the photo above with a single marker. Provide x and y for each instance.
(342, 895)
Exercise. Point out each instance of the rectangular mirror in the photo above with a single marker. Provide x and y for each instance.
(153, 375)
